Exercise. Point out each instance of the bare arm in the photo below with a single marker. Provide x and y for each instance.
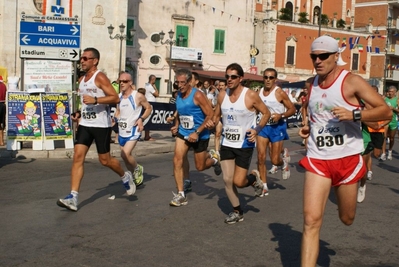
(111, 97)
(148, 109)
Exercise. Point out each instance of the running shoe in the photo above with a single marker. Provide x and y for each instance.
(286, 173)
(389, 157)
(258, 185)
(187, 185)
(286, 155)
(234, 217)
(265, 192)
(129, 185)
(361, 193)
(69, 202)
(138, 175)
(383, 157)
(216, 167)
(178, 200)
(369, 175)
(274, 169)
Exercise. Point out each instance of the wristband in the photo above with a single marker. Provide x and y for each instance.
(142, 119)
(95, 100)
(258, 128)
(198, 132)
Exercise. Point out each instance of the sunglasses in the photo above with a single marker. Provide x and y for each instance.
(233, 77)
(86, 58)
(268, 77)
(124, 81)
(323, 56)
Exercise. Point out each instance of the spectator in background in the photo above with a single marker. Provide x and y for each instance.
(3, 91)
(292, 97)
(151, 92)
(206, 87)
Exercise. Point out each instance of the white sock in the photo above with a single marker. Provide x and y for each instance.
(75, 194)
(265, 186)
(182, 193)
(125, 178)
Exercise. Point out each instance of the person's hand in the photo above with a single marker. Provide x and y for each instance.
(139, 124)
(304, 132)
(209, 124)
(251, 134)
(342, 114)
(174, 130)
(170, 119)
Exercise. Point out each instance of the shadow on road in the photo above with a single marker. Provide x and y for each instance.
(289, 246)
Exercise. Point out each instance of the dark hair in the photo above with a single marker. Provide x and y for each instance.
(199, 84)
(186, 72)
(141, 90)
(271, 69)
(195, 75)
(236, 67)
(223, 81)
(95, 52)
(150, 77)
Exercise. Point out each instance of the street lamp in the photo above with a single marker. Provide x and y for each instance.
(170, 42)
(389, 23)
(120, 36)
(321, 12)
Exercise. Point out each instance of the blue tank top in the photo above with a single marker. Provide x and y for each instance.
(191, 115)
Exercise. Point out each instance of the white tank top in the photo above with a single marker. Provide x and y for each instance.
(237, 119)
(330, 138)
(93, 115)
(272, 104)
(129, 112)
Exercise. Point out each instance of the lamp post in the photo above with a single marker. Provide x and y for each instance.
(321, 10)
(171, 43)
(121, 37)
(389, 23)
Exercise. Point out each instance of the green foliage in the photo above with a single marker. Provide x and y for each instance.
(341, 23)
(303, 17)
(324, 19)
(286, 14)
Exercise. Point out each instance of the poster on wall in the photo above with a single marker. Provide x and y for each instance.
(57, 121)
(23, 116)
(49, 75)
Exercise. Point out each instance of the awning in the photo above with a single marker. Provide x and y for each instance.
(219, 75)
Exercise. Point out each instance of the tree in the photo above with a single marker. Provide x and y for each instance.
(324, 20)
(286, 14)
(303, 17)
(341, 23)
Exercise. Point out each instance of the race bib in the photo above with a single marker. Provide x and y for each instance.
(122, 123)
(233, 133)
(89, 113)
(329, 135)
(187, 122)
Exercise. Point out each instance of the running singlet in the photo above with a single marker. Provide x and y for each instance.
(191, 116)
(392, 102)
(129, 112)
(329, 137)
(272, 104)
(237, 119)
(93, 115)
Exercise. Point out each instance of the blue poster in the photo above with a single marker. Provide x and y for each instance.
(57, 121)
(24, 116)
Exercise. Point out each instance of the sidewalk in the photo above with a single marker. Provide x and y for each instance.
(164, 143)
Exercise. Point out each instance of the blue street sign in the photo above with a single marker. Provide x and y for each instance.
(49, 40)
(50, 28)
(49, 34)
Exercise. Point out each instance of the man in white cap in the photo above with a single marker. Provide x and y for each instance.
(335, 141)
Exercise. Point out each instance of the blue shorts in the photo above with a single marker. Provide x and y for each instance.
(275, 132)
(123, 140)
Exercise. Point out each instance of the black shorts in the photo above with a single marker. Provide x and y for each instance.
(242, 156)
(102, 137)
(200, 146)
(2, 115)
(377, 139)
(368, 149)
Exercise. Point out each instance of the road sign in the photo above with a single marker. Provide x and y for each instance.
(49, 53)
(50, 28)
(49, 34)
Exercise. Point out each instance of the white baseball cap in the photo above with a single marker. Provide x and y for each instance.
(324, 43)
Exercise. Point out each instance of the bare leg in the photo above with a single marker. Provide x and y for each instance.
(228, 178)
(261, 145)
(315, 194)
(77, 170)
(126, 154)
(181, 150)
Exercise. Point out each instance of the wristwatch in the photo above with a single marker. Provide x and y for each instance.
(357, 116)
(198, 132)
(282, 116)
(95, 100)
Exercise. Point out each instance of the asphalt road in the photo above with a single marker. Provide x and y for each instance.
(143, 230)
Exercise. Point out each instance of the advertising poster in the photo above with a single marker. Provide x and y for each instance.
(50, 75)
(24, 116)
(56, 116)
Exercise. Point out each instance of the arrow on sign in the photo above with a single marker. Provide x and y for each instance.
(74, 30)
(25, 39)
(74, 54)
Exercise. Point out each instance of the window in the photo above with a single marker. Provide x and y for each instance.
(181, 29)
(157, 82)
(290, 55)
(355, 61)
(219, 41)
(129, 25)
(155, 59)
(155, 38)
